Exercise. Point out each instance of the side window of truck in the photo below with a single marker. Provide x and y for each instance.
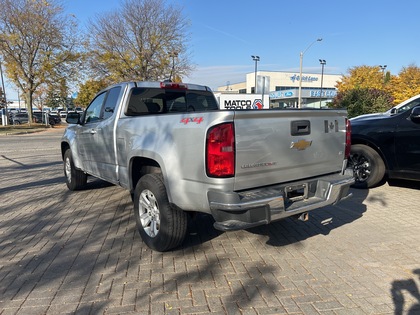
(93, 112)
(144, 101)
(111, 102)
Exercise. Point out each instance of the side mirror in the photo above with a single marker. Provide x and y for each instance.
(73, 118)
(393, 111)
(415, 115)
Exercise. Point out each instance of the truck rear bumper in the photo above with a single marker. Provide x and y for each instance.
(246, 209)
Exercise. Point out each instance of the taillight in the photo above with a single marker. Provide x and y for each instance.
(220, 151)
(348, 139)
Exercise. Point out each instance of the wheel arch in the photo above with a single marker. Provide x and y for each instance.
(373, 146)
(140, 166)
(64, 147)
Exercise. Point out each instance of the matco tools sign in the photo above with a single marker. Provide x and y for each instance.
(243, 101)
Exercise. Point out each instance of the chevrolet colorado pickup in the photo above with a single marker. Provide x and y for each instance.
(386, 145)
(177, 153)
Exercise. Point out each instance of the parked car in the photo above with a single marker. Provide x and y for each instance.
(177, 153)
(56, 117)
(386, 145)
(39, 117)
(19, 118)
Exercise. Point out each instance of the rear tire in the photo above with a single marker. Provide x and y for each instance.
(368, 166)
(160, 225)
(75, 179)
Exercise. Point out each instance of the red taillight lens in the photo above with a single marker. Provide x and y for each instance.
(348, 138)
(220, 151)
(173, 85)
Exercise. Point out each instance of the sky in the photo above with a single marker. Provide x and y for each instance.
(224, 35)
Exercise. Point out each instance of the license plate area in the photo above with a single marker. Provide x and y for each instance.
(295, 193)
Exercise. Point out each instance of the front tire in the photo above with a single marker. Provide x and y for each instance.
(368, 166)
(75, 179)
(160, 225)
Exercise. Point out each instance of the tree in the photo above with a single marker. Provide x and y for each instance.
(366, 89)
(57, 94)
(38, 43)
(140, 42)
(362, 77)
(362, 101)
(88, 90)
(407, 84)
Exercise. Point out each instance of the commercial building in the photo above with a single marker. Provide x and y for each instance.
(283, 87)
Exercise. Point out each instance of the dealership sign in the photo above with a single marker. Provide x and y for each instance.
(305, 78)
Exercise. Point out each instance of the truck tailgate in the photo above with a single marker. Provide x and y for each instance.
(287, 145)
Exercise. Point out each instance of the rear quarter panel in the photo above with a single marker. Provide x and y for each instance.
(177, 143)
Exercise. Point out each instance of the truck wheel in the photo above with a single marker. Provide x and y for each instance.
(75, 179)
(160, 225)
(368, 166)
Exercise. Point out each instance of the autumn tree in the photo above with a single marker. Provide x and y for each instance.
(366, 89)
(38, 43)
(143, 40)
(88, 90)
(362, 101)
(406, 84)
(362, 77)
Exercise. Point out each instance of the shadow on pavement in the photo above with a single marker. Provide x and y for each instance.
(411, 287)
(289, 230)
(404, 183)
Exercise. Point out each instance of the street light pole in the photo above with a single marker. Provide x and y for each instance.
(383, 71)
(256, 59)
(300, 71)
(173, 55)
(323, 63)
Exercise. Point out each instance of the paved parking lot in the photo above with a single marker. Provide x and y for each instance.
(67, 252)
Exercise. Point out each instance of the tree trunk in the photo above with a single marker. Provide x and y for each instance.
(29, 105)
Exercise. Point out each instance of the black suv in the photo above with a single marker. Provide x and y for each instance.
(39, 117)
(386, 145)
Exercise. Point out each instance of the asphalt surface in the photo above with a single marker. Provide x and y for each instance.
(65, 252)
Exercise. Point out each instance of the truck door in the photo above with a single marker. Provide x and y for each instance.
(407, 144)
(97, 135)
(87, 131)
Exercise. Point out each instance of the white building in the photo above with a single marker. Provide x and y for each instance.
(283, 87)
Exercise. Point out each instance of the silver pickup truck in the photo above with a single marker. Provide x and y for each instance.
(177, 153)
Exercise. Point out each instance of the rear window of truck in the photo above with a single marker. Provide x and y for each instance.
(145, 101)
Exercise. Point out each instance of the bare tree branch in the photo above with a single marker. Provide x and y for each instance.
(137, 42)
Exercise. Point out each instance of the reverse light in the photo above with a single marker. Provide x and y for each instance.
(220, 151)
(348, 139)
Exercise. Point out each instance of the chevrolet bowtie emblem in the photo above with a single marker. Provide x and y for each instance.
(300, 145)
